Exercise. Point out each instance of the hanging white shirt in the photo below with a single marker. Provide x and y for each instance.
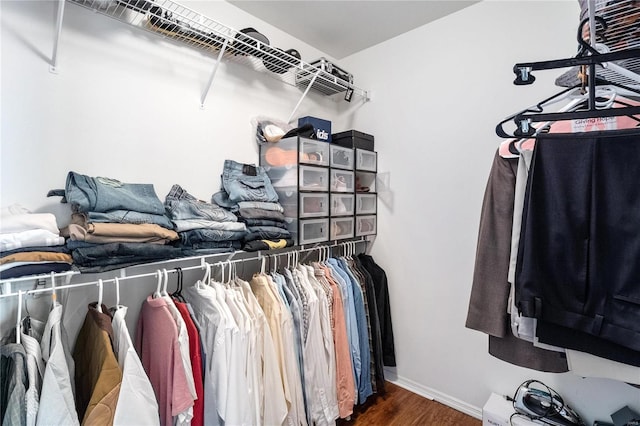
(216, 339)
(272, 401)
(297, 413)
(137, 402)
(30, 339)
(57, 402)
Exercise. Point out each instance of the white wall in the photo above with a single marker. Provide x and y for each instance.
(438, 92)
(125, 104)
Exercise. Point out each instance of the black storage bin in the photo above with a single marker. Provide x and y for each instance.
(353, 139)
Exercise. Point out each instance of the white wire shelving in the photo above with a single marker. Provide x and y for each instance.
(617, 28)
(171, 20)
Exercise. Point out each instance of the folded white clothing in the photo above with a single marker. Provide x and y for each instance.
(32, 238)
(13, 223)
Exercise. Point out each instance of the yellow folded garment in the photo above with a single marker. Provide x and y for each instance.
(36, 256)
(275, 244)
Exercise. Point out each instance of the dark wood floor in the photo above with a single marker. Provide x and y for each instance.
(400, 407)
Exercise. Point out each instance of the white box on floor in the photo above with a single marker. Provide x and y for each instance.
(497, 411)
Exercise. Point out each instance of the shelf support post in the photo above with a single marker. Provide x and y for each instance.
(54, 57)
(213, 73)
(313, 80)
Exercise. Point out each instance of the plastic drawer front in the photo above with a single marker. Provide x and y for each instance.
(314, 152)
(313, 231)
(366, 160)
(286, 153)
(342, 181)
(365, 182)
(341, 158)
(288, 199)
(342, 205)
(366, 203)
(313, 178)
(342, 228)
(314, 205)
(366, 225)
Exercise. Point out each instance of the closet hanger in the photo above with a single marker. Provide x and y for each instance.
(54, 296)
(587, 56)
(207, 272)
(262, 265)
(575, 110)
(178, 293)
(165, 282)
(157, 293)
(19, 317)
(100, 289)
(117, 283)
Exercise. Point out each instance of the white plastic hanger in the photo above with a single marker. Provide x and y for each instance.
(117, 282)
(165, 281)
(19, 317)
(100, 289)
(54, 296)
(157, 293)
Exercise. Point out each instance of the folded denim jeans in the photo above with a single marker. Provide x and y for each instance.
(261, 214)
(260, 205)
(123, 253)
(181, 205)
(211, 245)
(183, 225)
(201, 235)
(266, 233)
(264, 222)
(101, 194)
(246, 182)
(129, 216)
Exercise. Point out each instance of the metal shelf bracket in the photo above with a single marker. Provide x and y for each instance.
(56, 42)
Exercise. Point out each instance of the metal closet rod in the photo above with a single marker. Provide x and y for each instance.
(260, 255)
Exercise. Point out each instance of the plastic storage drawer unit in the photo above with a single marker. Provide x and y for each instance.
(365, 225)
(313, 231)
(314, 152)
(366, 203)
(313, 178)
(341, 157)
(341, 227)
(342, 181)
(342, 205)
(366, 160)
(314, 205)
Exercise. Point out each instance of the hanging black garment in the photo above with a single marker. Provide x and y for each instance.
(379, 277)
(580, 240)
(374, 323)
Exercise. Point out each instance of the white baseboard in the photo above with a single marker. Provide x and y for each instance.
(432, 394)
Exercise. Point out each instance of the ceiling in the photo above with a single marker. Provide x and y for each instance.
(341, 28)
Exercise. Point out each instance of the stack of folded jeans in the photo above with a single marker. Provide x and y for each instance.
(203, 227)
(247, 190)
(30, 244)
(265, 224)
(115, 224)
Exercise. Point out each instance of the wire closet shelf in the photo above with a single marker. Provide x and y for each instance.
(617, 28)
(181, 24)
